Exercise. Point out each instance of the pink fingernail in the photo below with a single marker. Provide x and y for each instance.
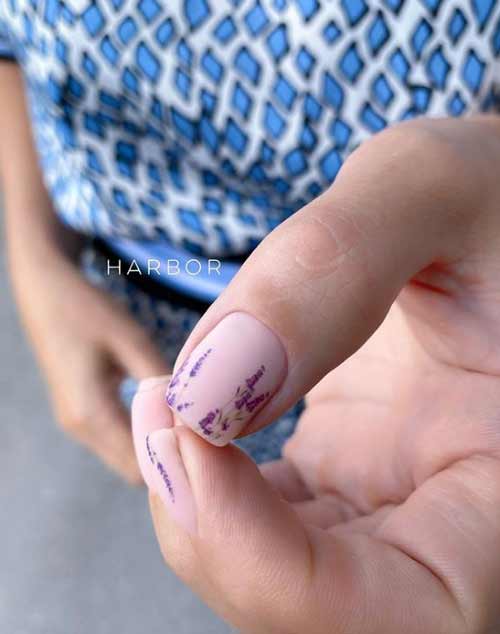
(171, 481)
(228, 378)
(148, 415)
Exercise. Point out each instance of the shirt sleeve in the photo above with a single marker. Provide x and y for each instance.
(6, 50)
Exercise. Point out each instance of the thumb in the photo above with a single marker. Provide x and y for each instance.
(319, 285)
(229, 535)
(242, 562)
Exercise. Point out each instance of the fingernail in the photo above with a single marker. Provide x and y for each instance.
(228, 378)
(149, 414)
(170, 481)
(152, 382)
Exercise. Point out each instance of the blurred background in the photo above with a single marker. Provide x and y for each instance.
(77, 550)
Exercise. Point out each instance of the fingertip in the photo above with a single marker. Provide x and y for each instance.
(153, 382)
(149, 413)
(134, 478)
(227, 485)
(228, 378)
(244, 531)
(170, 479)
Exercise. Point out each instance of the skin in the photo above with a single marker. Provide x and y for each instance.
(384, 514)
(86, 345)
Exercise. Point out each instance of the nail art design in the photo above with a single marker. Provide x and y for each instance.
(166, 480)
(150, 451)
(161, 470)
(197, 366)
(170, 480)
(149, 414)
(227, 378)
(216, 422)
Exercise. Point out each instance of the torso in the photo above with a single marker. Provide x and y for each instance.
(206, 123)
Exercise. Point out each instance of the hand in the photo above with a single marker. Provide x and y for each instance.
(85, 343)
(384, 515)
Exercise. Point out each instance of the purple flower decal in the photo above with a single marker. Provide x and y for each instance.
(251, 405)
(176, 377)
(244, 401)
(251, 381)
(151, 453)
(154, 460)
(239, 403)
(206, 423)
(166, 480)
(174, 394)
(185, 405)
(197, 366)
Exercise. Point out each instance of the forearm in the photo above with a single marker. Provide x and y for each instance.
(32, 228)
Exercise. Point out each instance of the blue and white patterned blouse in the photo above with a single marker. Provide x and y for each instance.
(204, 123)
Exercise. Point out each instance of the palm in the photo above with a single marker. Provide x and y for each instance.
(384, 422)
(400, 444)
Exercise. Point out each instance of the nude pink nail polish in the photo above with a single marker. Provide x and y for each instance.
(230, 375)
(170, 480)
(148, 415)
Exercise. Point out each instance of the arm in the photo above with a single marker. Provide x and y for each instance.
(21, 180)
(83, 356)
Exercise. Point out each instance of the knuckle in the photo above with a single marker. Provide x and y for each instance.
(137, 338)
(134, 478)
(412, 148)
(74, 418)
(425, 167)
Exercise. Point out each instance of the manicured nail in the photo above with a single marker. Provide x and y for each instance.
(152, 382)
(149, 414)
(171, 482)
(228, 378)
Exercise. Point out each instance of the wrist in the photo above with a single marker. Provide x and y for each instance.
(35, 235)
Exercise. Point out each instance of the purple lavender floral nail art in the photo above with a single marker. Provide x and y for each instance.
(197, 366)
(151, 453)
(185, 405)
(161, 469)
(234, 411)
(166, 480)
(173, 392)
(218, 421)
(174, 382)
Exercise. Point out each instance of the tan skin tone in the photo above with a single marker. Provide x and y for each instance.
(384, 515)
(85, 342)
